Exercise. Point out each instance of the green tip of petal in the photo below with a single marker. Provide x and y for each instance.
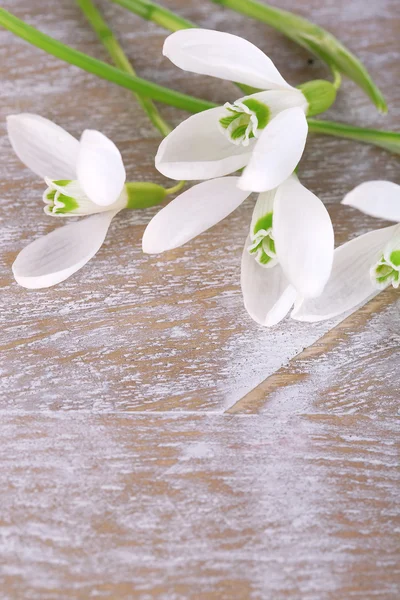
(395, 258)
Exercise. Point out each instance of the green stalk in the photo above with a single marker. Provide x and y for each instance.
(389, 140)
(120, 59)
(156, 13)
(316, 39)
(99, 68)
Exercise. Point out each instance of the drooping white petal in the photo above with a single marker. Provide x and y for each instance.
(100, 169)
(222, 55)
(267, 294)
(197, 149)
(56, 256)
(277, 151)
(44, 147)
(304, 238)
(191, 213)
(350, 282)
(379, 199)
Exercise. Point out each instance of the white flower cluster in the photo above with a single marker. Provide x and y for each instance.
(289, 262)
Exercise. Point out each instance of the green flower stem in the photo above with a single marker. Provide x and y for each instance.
(156, 13)
(389, 140)
(337, 78)
(99, 68)
(117, 54)
(176, 188)
(317, 40)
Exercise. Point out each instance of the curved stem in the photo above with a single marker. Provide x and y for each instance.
(120, 59)
(389, 140)
(156, 13)
(176, 188)
(337, 78)
(99, 68)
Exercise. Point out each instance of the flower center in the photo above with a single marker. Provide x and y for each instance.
(262, 242)
(66, 198)
(244, 119)
(58, 203)
(387, 270)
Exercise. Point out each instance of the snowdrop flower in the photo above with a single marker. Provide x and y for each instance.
(366, 264)
(85, 177)
(264, 132)
(289, 250)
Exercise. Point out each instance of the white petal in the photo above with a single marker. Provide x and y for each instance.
(100, 169)
(56, 256)
(350, 282)
(304, 239)
(197, 149)
(44, 147)
(222, 55)
(277, 151)
(267, 294)
(379, 199)
(191, 213)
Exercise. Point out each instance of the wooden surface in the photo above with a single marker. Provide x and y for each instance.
(154, 441)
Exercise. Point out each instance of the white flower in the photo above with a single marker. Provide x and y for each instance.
(366, 264)
(265, 132)
(83, 178)
(289, 250)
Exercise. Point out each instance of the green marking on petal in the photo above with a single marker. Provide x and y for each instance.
(50, 195)
(238, 132)
(264, 222)
(272, 245)
(395, 258)
(226, 121)
(69, 204)
(62, 182)
(261, 111)
(263, 258)
(383, 271)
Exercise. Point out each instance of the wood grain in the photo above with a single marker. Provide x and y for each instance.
(139, 459)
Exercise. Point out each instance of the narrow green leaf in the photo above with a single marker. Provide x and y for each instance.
(99, 68)
(389, 140)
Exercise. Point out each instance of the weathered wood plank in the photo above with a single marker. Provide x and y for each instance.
(131, 332)
(110, 506)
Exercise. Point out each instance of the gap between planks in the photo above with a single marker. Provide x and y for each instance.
(254, 400)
